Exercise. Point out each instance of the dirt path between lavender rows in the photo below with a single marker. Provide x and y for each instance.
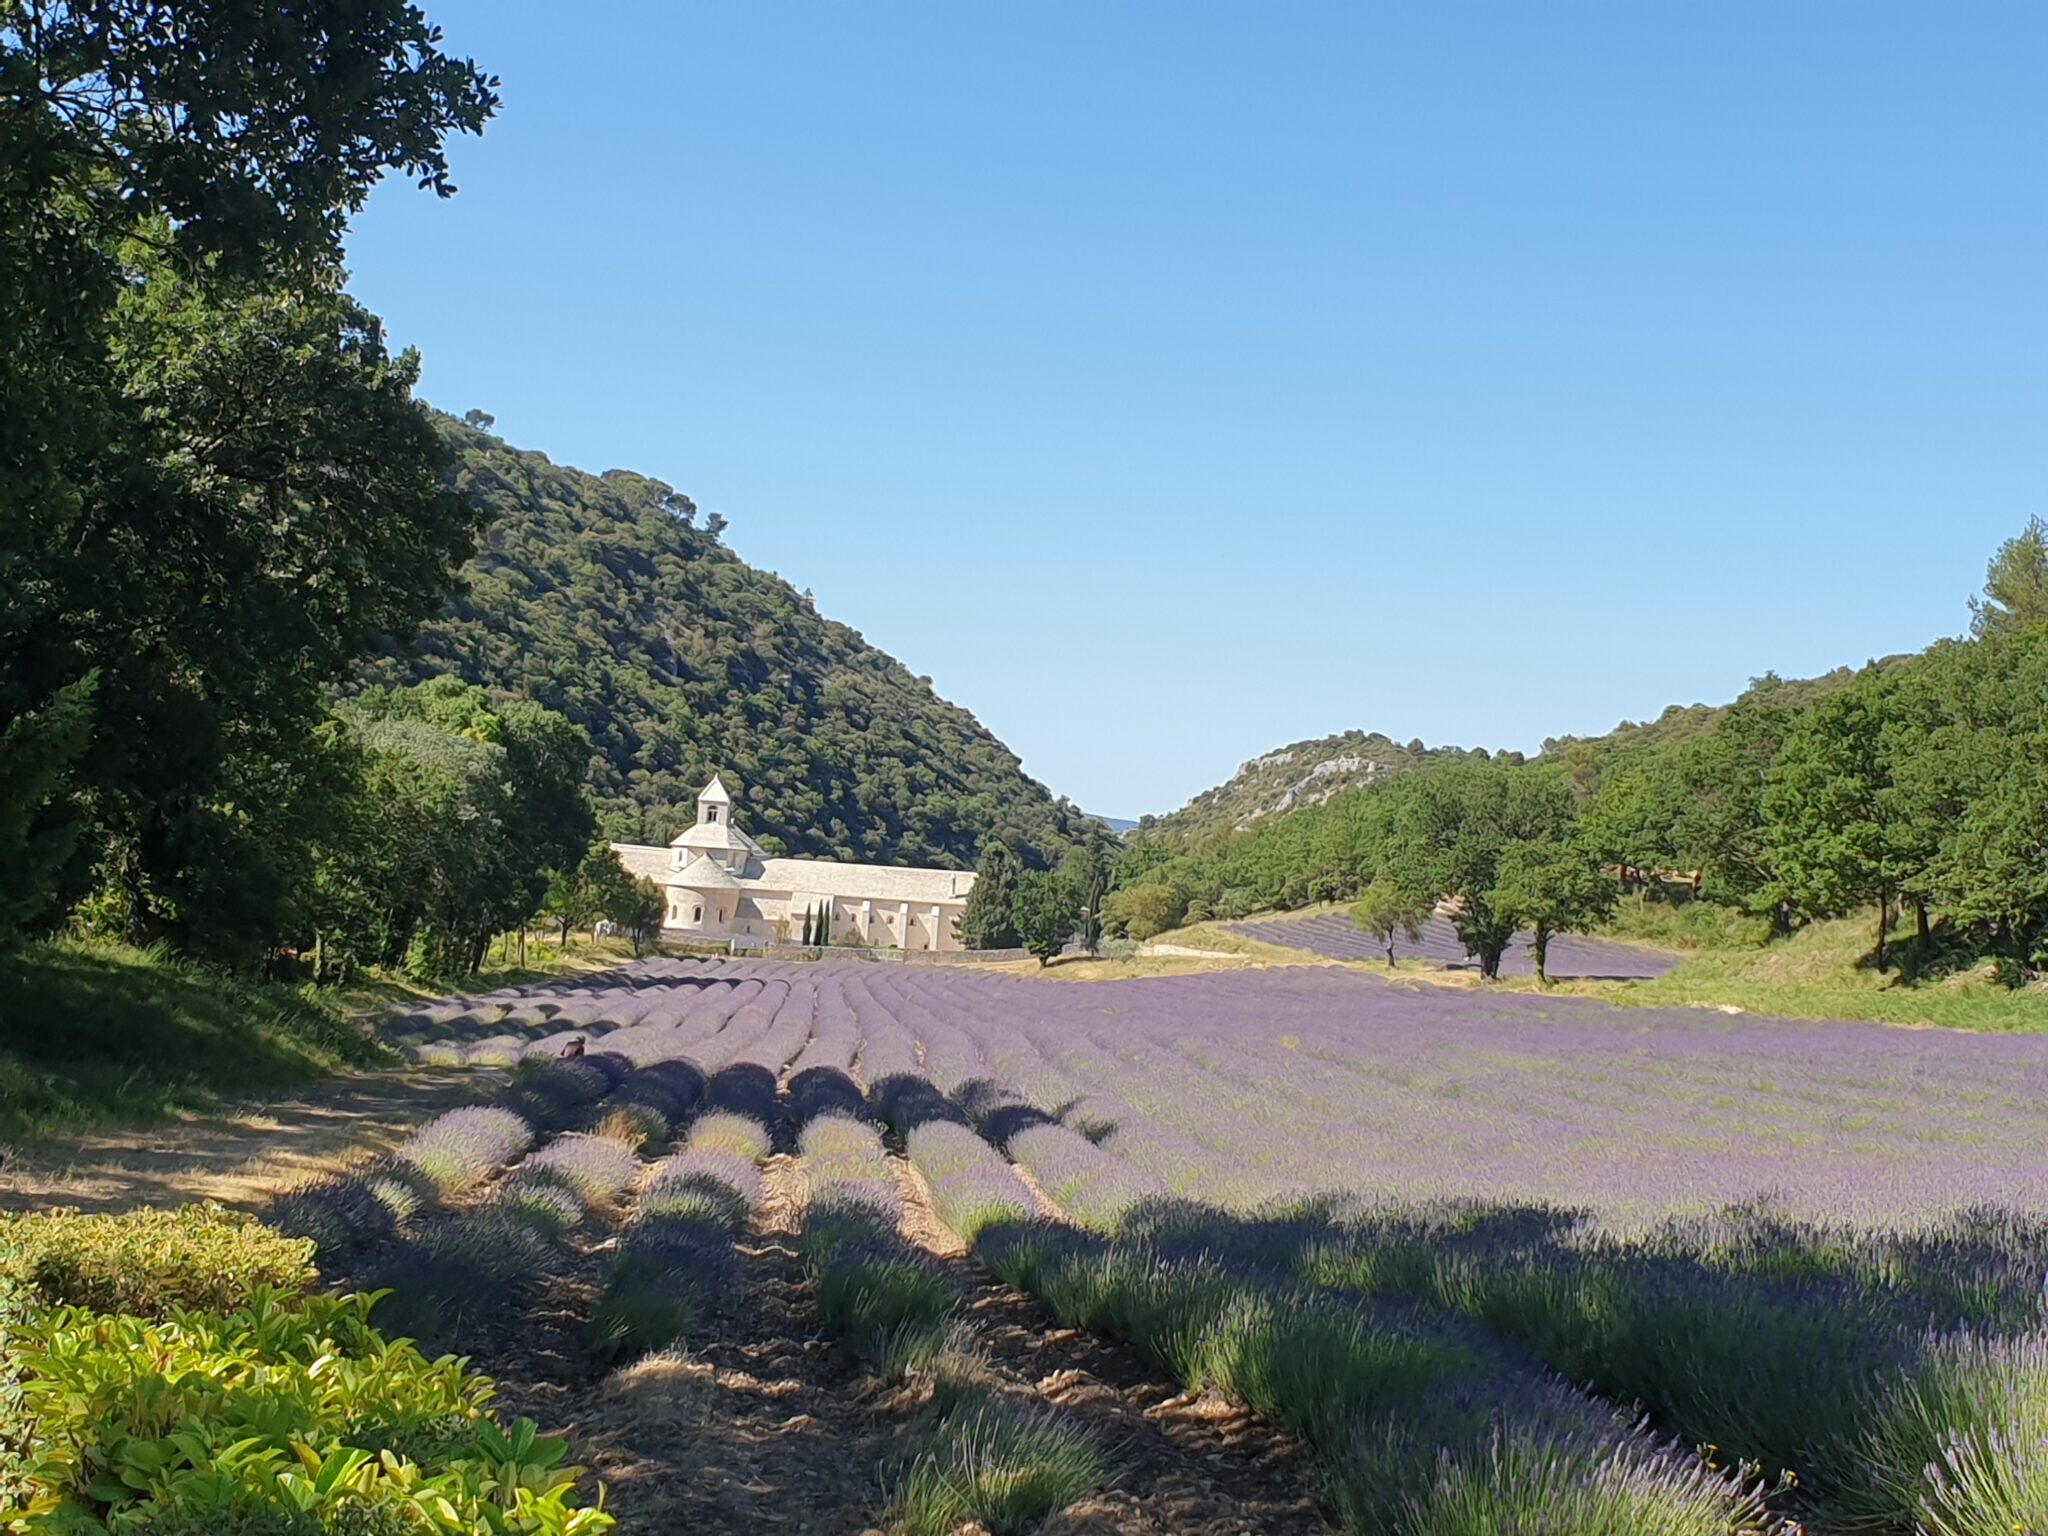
(762, 1427)
(244, 1158)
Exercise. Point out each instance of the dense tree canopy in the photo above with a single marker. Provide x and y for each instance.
(2015, 585)
(216, 482)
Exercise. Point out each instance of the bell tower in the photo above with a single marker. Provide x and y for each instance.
(714, 804)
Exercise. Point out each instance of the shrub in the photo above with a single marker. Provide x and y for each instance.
(16, 1427)
(703, 1184)
(725, 1131)
(462, 1148)
(348, 1211)
(647, 1304)
(598, 1168)
(878, 1298)
(1004, 1468)
(434, 1289)
(633, 1126)
(1145, 911)
(542, 1199)
(287, 1405)
(1959, 1444)
(149, 1262)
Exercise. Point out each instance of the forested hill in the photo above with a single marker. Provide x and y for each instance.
(1308, 773)
(606, 598)
(1288, 778)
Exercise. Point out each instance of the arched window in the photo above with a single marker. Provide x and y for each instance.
(696, 914)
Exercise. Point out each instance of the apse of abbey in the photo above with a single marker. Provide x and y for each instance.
(721, 884)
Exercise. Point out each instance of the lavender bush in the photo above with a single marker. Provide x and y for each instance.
(463, 1147)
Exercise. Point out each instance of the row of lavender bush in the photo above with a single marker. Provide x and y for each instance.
(676, 1256)
(1790, 1344)
(985, 1457)
(1421, 1425)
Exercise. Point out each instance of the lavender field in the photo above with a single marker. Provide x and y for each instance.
(1250, 1086)
(1502, 1261)
(1334, 936)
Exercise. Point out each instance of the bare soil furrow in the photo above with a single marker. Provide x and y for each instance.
(760, 1426)
(1186, 1465)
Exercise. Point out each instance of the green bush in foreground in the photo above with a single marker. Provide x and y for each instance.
(1005, 1468)
(286, 1415)
(150, 1262)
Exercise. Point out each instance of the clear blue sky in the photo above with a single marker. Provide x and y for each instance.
(1171, 381)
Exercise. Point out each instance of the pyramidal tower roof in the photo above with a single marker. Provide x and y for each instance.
(715, 790)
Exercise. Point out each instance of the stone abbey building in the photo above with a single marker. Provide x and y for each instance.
(721, 885)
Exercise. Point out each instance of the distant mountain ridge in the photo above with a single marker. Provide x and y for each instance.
(1306, 773)
(1301, 773)
(601, 596)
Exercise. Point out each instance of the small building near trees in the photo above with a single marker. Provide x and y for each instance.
(720, 884)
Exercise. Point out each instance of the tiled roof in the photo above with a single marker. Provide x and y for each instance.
(702, 874)
(717, 834)
(643, 862)
(882, 883)
(864, 882)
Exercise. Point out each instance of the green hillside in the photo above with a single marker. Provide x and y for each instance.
(603, 597)
(1303, 774)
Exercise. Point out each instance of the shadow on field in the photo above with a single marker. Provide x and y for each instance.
(1856, 1359)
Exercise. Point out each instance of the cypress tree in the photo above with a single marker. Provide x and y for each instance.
(988, 920)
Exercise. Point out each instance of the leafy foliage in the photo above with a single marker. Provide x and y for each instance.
(285, 1405)
(217, 481)
(149, 1263)
(1385, 909)
(601, 598)
(38, 827)
(2015, 584)
(461, 816)
(1046, 913)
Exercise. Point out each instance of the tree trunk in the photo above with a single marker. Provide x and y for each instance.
(1920, 929)
(1539, 948)
(1884, 918)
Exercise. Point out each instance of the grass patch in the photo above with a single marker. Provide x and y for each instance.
(106, 1034)
(1683, 925)
(1823, 972)
(1003, 1467)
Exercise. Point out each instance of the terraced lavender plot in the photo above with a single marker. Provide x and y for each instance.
(1334, 936)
